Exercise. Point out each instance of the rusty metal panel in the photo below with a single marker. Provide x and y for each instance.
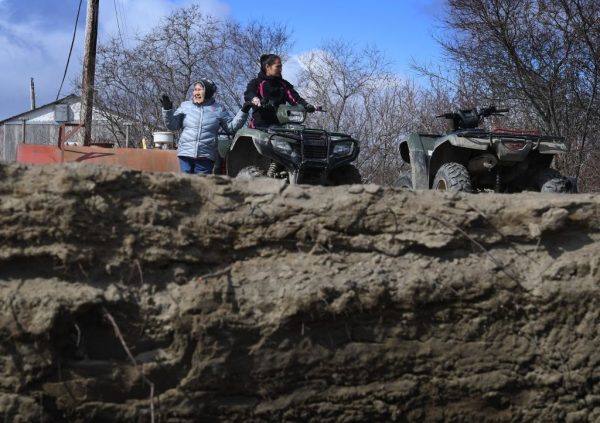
(133, 158)
(38, 154)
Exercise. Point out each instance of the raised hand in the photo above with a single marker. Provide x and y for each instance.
(166, 102)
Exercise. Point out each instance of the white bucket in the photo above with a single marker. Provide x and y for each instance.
(162, 139)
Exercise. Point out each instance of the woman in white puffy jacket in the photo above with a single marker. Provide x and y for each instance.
(200, 119)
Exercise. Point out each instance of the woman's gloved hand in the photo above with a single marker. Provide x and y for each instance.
(266, 104)
(166, 102)
(247, 106)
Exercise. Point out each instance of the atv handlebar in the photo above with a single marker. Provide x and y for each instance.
(492, 111)
(264, 103)
(471, 118)
(488, 111)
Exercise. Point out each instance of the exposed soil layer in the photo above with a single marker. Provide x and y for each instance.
(132, 297)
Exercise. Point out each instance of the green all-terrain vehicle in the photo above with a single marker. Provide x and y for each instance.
(291, 151)
(472, 159)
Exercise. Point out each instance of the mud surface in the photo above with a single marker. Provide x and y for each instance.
(134, 297)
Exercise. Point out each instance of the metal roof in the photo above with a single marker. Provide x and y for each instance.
(60, 100)
(68, 97)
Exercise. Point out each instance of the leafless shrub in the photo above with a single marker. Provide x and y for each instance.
(363, 98)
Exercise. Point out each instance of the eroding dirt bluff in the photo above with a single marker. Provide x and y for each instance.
(132, 297)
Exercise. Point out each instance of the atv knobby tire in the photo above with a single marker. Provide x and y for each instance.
(559, 185)
(550, 180)
(250, 172)
(452, 177)
(404, 181)
(345, 175)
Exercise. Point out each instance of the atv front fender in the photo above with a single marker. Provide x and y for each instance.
(244, 151)
(414, 150)
(245, 134)
(552, 147)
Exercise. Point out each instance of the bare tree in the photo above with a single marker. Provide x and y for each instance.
(363, 98)
(186, 46)
(337, 75)
(234, 66)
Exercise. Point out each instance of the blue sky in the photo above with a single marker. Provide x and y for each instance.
(35, 34)
(401, 28)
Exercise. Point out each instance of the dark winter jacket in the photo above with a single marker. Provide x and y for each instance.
(273, 91)
(200, 123)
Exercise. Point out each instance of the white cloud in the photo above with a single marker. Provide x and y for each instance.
(140, 17)
(30, 48)
(28, 51)
(292, 68)
(324, 64)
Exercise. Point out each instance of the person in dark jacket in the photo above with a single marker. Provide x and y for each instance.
(269, 90)
(200, 120)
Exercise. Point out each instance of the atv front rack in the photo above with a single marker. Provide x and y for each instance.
(313, 146)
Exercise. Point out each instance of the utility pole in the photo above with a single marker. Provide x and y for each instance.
(32, 94)
(89, 69)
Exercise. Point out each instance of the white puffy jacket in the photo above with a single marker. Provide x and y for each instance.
(200, 123)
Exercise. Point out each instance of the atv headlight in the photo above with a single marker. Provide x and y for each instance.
(296, 116)
(343, 148)
(281, 146)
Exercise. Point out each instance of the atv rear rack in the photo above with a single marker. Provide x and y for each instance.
(537, 139)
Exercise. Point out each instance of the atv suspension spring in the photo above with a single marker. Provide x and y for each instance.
(273, 170)
(498, 179)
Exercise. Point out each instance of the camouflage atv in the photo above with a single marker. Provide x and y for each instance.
(291, 151)
(472, 159)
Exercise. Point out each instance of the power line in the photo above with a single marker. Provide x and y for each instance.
(123, 20)
(118, 24)
(70, 50)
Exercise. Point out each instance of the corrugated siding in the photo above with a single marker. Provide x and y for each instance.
(35, 134)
